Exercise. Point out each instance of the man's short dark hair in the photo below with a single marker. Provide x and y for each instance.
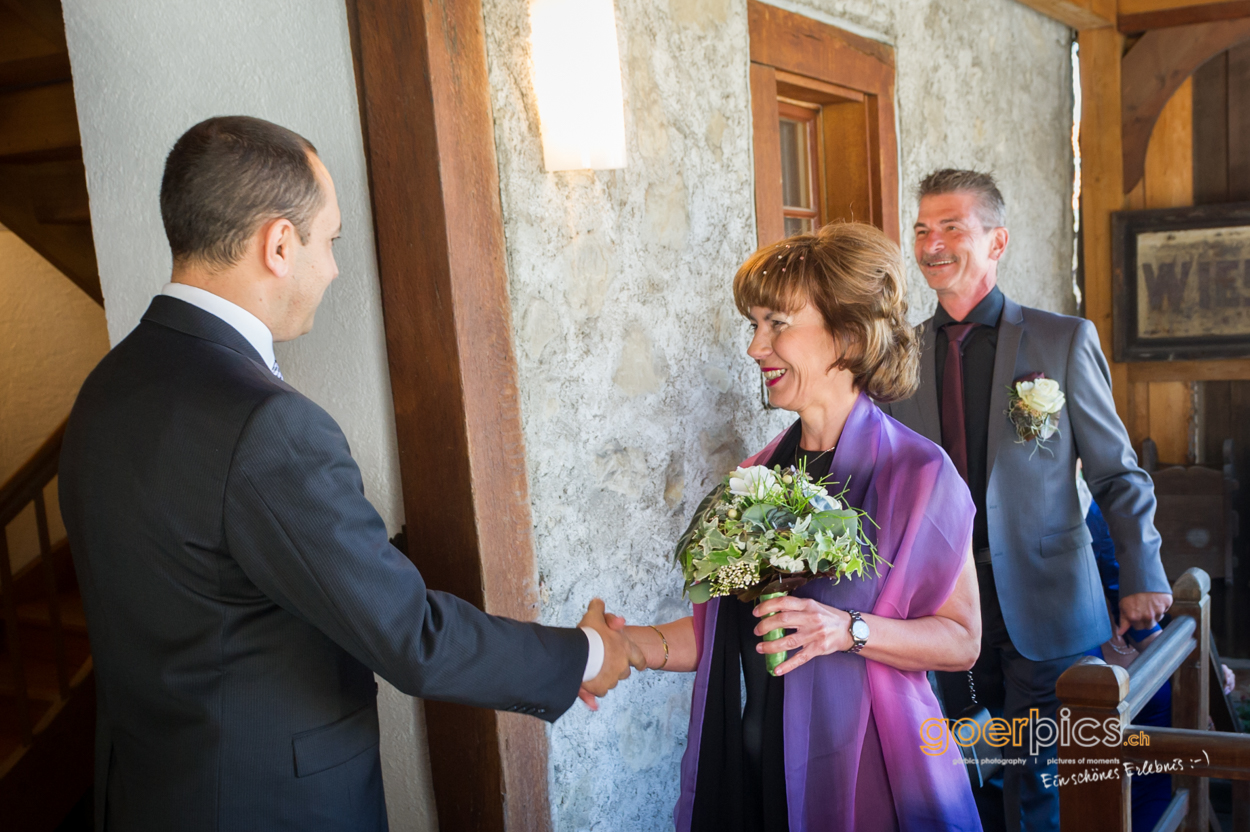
(228, 175)
(990, 205)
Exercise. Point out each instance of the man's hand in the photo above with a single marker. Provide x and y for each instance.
(1142, 610)
(619, 653)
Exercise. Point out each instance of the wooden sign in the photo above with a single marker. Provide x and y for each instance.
(1181, 282)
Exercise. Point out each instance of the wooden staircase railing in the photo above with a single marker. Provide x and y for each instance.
(22, 489)
(47, 686)
(1095, 780)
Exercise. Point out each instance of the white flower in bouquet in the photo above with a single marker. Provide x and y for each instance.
(787, 564)
(820, 499)
(1042, 395)
(756, 482)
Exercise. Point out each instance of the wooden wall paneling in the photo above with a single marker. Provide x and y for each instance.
(1169, 168)
(1102, 185)
(1211, 131)
(1218, 423)
(769, 224)
(849, 163)
(441, 260)
(1153, 70)
(1170, 408)
(1239, 123)
(1136, 416)
(1168, 183)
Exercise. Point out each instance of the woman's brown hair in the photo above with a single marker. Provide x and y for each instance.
(853, 274)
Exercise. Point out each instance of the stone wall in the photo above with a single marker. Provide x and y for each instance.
(636, 390)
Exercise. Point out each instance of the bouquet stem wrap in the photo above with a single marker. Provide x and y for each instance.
(773, 660)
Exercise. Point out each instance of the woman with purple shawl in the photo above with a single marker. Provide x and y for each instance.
(837, 740)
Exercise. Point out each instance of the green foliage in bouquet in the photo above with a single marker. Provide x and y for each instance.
(765, 530)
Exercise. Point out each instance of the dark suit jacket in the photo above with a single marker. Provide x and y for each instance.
(240, 594)
(1044, 568)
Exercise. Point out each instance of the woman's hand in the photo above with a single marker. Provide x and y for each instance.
(950, 639)
(818, 630)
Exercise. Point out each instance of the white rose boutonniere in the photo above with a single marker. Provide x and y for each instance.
(1033, 405)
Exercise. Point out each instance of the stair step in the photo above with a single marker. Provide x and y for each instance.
(73, 619)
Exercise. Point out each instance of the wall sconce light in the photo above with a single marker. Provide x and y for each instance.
(577, 78)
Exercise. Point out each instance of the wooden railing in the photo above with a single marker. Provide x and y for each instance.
(1095, 779)
(23, 488)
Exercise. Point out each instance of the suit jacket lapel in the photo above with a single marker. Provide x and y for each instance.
(1010, 329)
(926, 396)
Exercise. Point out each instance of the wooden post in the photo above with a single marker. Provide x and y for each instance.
(434, 182)
(18, 671)
(1093, 797)
(1190, 691)
(54, 598)
(1102, 191)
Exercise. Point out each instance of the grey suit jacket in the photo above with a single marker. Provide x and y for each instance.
(240, 594)
(1044, 568)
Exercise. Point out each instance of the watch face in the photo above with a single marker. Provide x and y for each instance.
(859, 630)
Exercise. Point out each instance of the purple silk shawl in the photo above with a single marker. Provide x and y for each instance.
(912, 490)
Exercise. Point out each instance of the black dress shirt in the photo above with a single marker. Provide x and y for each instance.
(978, 365)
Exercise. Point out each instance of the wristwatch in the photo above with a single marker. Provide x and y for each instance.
(859, 631)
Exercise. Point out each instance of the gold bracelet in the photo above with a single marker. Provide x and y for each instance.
(663, 641)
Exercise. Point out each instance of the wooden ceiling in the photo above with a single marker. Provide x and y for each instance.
(43, 185)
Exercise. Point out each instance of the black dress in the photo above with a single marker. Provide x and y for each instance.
(741, 783)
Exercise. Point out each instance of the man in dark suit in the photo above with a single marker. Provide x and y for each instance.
(1042, 604)
(240, 590)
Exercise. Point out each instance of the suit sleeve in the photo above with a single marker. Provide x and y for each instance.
(299, 525)
(1123, 491)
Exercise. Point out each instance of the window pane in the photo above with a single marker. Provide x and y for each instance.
(795, 165)
(798, 225)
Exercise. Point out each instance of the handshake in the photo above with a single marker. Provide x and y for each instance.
(620, 653)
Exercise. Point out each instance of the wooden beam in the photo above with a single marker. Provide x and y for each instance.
(441, 259)
(1102, 185)
(769, 224)
(1231, 369)
(38, 120)
(795, 45)
(1078, 15)
(1153, 70)
(1143, 15)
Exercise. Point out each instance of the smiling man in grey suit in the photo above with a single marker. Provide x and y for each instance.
(1042, 604)
(240, 590)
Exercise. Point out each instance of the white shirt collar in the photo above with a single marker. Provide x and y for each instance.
(247, 324)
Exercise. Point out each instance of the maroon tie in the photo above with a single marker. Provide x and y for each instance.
(954, 434)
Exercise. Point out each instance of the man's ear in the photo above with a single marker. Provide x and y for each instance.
(278, 239)
(998, 246)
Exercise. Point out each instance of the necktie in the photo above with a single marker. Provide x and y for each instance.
(274, 369)
(954, 434)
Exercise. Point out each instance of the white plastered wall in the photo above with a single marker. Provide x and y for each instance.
(143, 73)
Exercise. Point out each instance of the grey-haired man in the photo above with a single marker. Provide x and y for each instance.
(1042, 603)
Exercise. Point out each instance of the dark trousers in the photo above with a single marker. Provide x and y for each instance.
(1009, 682)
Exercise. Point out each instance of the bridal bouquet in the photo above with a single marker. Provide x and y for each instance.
(763, 533)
